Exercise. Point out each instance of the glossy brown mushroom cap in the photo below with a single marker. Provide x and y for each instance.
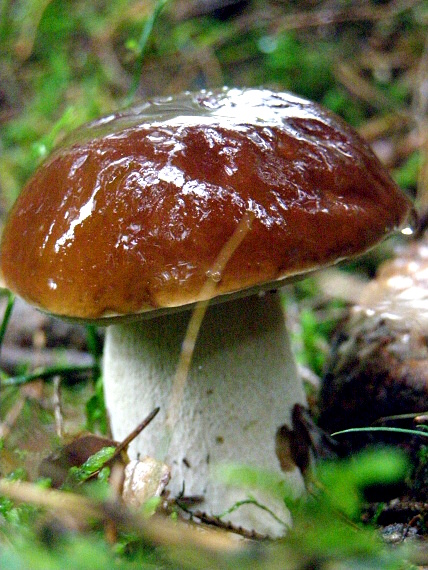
(131, 213)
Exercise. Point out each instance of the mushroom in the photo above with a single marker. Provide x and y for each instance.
(378, 369)
(122, 226)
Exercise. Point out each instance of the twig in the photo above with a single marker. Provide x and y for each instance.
(157, 530)
(124, 444)
(11, 417)
(30, 24)
(356, 84)
(330, 16)
(217, 522)
(411, 416)
(420, 112)
(13, 357)
(213, 277)
(57, 406)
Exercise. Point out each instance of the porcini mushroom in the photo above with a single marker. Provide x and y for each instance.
(123, 223)
(378, 368)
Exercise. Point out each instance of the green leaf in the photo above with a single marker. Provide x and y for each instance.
(93, 464)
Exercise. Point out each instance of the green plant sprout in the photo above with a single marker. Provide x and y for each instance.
(141, 46)
(7, 313)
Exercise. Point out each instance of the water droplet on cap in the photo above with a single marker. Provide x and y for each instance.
(213, 275)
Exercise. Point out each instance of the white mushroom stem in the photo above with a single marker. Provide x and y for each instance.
(241, 388)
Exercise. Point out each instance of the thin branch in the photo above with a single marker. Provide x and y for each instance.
(208, 291)
(330, 16)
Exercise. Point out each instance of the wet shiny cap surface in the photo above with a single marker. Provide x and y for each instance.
(131, 212)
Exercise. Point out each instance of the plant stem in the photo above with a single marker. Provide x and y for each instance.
(7, 315)
(48, 373)
(142, 45)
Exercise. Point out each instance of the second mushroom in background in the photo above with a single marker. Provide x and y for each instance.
(379, 362)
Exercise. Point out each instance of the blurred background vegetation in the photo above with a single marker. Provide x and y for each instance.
(66, 62)
(63, 63)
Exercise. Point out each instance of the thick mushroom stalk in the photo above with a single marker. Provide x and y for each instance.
(241, 389)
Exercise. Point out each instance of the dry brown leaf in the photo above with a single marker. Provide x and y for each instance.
(57, 465)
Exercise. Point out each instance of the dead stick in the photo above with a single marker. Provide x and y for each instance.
(213, 277)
